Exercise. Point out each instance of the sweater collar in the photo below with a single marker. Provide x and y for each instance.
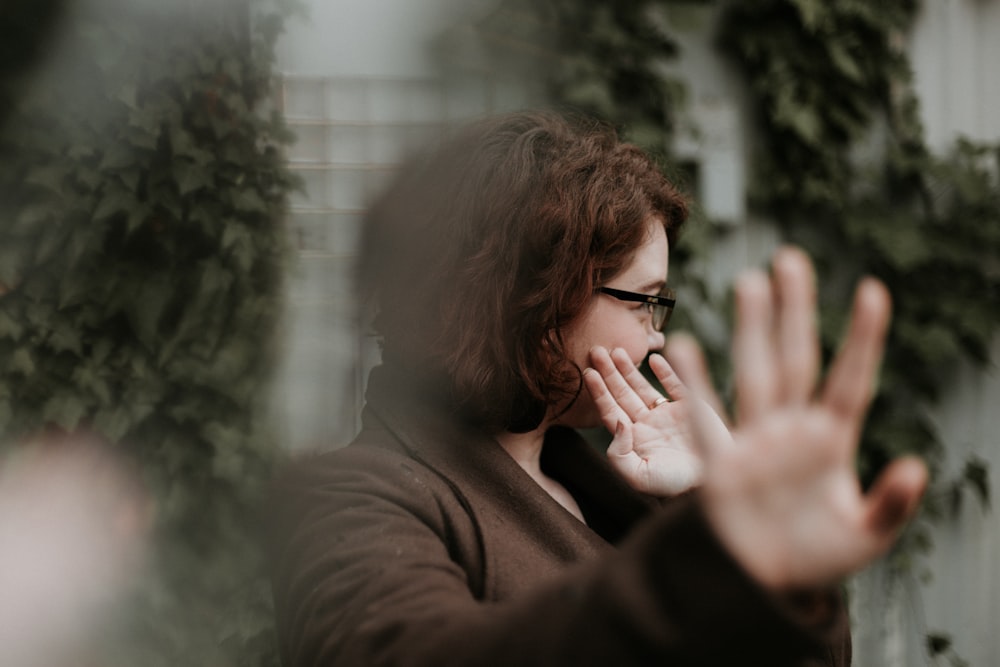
(434, 433)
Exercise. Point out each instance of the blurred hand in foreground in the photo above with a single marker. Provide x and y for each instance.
(72, 527)
(785, 498)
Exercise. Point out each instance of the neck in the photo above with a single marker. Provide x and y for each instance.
(526, 449)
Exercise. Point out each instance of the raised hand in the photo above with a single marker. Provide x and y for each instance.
(653, 446)
(785, 499)
(73, 525)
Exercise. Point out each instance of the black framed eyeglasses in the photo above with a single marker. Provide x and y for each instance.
(659, 306)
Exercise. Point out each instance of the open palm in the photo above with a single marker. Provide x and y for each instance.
(653, 445)
(785, 498)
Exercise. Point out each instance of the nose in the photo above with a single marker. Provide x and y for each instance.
(655, 339)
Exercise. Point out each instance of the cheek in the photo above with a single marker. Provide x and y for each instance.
(634, 340)
(611, 329)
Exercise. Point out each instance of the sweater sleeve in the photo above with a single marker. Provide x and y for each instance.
(366, 571)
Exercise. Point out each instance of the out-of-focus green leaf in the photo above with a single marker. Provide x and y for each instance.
(977, 474)
(63, 410)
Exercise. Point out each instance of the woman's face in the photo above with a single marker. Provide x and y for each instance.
(611, 323)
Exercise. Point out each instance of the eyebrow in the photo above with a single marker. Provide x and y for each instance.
(654, 286)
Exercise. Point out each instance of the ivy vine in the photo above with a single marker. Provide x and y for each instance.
(826, 77)
(141, 257)
(601, 58)
(836, 75)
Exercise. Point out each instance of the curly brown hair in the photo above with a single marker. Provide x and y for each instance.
(487, 246)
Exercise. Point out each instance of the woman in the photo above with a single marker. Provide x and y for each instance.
(519, 277)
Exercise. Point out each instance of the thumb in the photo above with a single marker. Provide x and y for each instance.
(894, 498)
(685, 356)
(622, 443)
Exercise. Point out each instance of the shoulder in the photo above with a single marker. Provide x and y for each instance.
(356, 470)
(359, 486)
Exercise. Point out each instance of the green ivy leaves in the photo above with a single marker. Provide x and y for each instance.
(927, 225)
(601, 59)
(923, 224)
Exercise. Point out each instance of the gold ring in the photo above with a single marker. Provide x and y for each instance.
(657, 403)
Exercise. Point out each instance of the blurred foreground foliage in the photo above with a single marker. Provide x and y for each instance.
(28, 29)
(142, 190)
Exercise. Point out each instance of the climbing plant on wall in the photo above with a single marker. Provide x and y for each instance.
(825, 78)
(141, 254)
(601, 58)
(834, 75)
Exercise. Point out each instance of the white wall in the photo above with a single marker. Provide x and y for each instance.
(963, 598)
(360, 88)
(955, 51)
(370, 38)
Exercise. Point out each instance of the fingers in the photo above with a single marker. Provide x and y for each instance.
(776, 344)
(851, 381)
(670, 381)
(686, 358)
(647, 393)
(710, 430)
(607, 407)
(753, 351)
(797, 338)
(630, 390)
(622, 444)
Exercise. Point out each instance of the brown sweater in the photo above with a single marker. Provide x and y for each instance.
(424, 543)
